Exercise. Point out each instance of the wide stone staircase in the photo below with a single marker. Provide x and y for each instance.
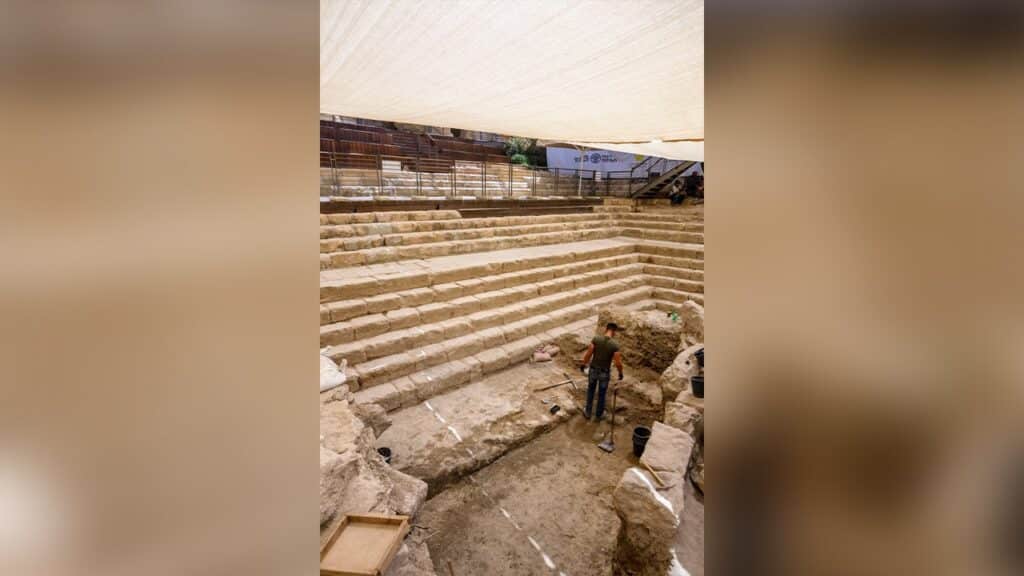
(423, 302)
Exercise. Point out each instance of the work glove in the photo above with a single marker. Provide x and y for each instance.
(583, 368)
(620, 376)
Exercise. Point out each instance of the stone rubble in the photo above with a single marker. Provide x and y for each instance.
(355, 480)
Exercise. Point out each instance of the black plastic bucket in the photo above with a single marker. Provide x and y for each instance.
(641, 434)
(700, 357)
(697, 383)
(385, 453)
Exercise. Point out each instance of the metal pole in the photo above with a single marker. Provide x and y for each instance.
(556, 180)
(509, 179)
(419, 186)
(483, 180)
(380, 174)
(451, 173)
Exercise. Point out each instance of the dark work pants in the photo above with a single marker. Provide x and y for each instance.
(597, 379)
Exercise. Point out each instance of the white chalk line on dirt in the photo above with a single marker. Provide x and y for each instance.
(547, 559)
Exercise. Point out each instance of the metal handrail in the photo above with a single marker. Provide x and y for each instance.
(609, 184)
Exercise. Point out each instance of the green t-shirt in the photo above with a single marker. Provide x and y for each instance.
(604, 349)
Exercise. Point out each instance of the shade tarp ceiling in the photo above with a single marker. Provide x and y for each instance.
(621, 75)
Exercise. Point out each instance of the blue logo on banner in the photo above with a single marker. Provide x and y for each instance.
(595, 158)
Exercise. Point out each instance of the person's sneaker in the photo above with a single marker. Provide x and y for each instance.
(586, 415)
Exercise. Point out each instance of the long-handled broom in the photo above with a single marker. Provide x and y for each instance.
(608, 445)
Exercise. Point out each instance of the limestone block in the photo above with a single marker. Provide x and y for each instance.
(649, 512)
(336, 471)
(403, 318)
(495, 283)
(369, 326)
(383, 303)
(439, 379)
(407, 493)
(435, 312)
(406, 391)
(691, 315)
(471, 286)
(447, 291)
(385, 394)
(350, 288)
(334, 334)
(683, 417)
(463, 346)
(413, 297)
(515, 330)
(354, 352)
(427, 334)
(346, 309)
(676, 377)
(372, 229)
(491, 337)
(345, 259)
(465, 305)
(456, 327)
(386, 368)
(387, 344)
(430, 356)
(518, 350)
(373, 415)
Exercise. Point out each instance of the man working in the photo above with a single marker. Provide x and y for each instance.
(602, 352)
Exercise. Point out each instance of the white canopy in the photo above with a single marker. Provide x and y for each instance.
(611, 74)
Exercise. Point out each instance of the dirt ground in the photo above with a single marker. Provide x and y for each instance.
(557, 489)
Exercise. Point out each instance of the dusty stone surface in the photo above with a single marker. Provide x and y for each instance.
(648, 338)
(691, 316)
(354, 479)
(557, 489)
(676, 377)
(491, 416)
(374, 416)
(683, 417)
(649, 511)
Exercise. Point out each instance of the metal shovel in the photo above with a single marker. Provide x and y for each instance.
(608, 445)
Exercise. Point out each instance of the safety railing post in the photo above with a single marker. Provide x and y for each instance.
(380, 173)
(483, 179)
(557, 181)
(419, 185)
(509, 179)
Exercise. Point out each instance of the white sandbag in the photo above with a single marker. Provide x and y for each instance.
(331, 375)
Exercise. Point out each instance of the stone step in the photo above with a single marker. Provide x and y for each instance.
(372, 250)
(461, 235)
(395, 216)
(505, 325)
(663, 235)
(676, 296)
(490, 354)
(402, 304)
(422, 373)
(376, 335)
(329, 229)
(435, 249)
(401, 308)
(378, 279)
(381, 228)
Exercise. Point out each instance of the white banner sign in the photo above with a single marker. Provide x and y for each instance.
(611, 164)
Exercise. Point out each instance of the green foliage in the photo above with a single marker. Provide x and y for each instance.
(525, 151)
